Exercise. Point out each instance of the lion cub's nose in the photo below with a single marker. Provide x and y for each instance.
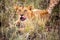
(21, 14)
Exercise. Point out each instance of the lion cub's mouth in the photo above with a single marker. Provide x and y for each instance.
(22, 18)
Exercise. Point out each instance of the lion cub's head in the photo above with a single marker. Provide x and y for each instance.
(24, 12)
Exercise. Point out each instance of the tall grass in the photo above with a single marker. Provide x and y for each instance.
(32, 31)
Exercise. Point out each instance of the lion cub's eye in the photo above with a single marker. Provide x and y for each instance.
(20, 10)
(25, 10)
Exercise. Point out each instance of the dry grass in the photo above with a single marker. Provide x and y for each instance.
(32, 31)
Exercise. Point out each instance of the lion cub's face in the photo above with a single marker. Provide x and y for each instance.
(24, 13)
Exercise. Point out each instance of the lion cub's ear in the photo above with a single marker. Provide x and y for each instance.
(16, 7)
(30, 7)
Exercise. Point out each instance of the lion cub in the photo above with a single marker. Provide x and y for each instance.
(30, 16)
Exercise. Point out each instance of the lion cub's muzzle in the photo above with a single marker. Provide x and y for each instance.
(22, 18)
